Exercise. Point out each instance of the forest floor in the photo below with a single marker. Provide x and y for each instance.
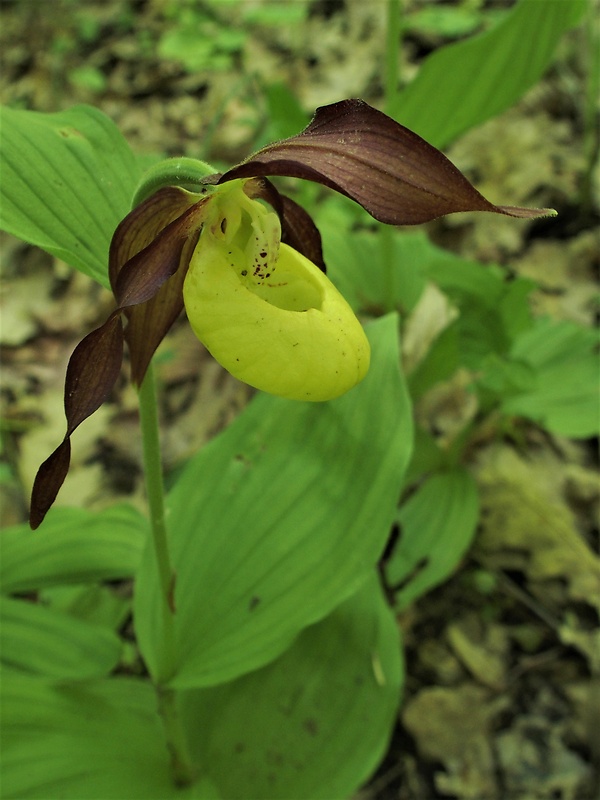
(502, 694)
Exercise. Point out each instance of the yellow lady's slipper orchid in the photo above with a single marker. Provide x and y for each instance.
(266, 313)
(253, 280)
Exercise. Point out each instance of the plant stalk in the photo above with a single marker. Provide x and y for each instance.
(182, 768)
(392, 77)
(156, 505)
(181, 765)
(392, 48)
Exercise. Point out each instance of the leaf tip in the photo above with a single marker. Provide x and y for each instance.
(527, 213)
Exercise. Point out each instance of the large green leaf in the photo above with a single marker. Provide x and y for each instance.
(41, 640)
(67, 180)
(73, 546)
(564, 396)
(279, 520)
(466, 83)
(437, 525)
(89, 741)
(313, 724)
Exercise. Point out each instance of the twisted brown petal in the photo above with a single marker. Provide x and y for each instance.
(92, 372)
(152, 245)
(50, 477)
(391, 172)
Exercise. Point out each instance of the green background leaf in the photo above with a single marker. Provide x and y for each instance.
(279, 519)
(312, 724)
(39, 639)
(437, 525)
(73, 546)
(99, 740)
(67, 181)
(564, 394)
(466, 83)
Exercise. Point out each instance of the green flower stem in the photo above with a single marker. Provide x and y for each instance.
(183, 772)
(392, 47)
(182, 767)
(392, 77)
(591, 145)
(156, 505)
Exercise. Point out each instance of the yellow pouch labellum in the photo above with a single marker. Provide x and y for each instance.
(291, 334)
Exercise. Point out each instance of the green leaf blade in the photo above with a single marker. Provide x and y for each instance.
(314, 723)
(564, 396)
(99, 740)
(74, 187)
(279, 520)
(437, 525)
(43, 641)
(472, 81)
(73, 546)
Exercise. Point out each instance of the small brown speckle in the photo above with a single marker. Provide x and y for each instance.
(254, 601)
(311, 726)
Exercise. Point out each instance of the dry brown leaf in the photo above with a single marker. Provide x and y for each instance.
(535, 761)
(452, 726)
(526, 515)
(483, 649)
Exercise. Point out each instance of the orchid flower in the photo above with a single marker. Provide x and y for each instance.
(247, 264)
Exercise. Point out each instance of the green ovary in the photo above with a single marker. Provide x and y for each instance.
(290, 334)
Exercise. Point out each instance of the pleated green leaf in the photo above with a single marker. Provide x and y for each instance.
(42, 640)
(279, 520)
(67, 180)
(466, 83)
(437, 525)
(314, 723)
(96, 603)
(92, 741)
(73, 546)
(563, 357)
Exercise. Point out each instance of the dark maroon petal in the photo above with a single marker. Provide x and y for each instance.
(297, 226)
(142, 225)
(93, 371)
(50, 477)
(300, 232)
(391, 172)
(143, 275)
(165, 229)
(156, 240)
(149, 322)
(91, 375)
(146, 270)
(262, 189)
